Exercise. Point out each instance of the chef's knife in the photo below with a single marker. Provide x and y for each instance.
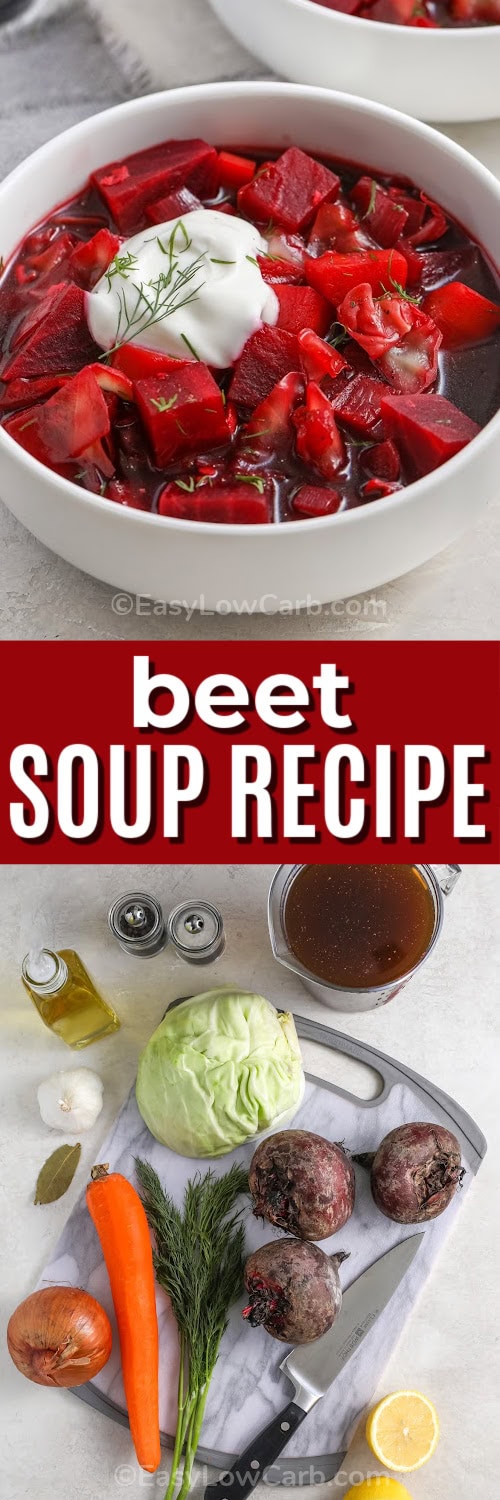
(312, 1368)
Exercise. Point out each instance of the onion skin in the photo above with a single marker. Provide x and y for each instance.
(303, 1184)
(59, 1336)
(415, 1173)
(294, 1289)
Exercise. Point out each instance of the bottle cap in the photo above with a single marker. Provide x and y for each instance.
(136, 921)
(196, 930)
(44, 970)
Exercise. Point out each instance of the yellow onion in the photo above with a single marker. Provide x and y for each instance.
(59, 1336)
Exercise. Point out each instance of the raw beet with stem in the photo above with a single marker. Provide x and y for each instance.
(294, 1290)
(415, 1173)
(302, 1183)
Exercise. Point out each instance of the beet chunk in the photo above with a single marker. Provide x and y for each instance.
(294, 1290)
(358, 403)
(383, 217)
(427, 428)
(288, 191)
(268, 356)
(60, 342)
(129, 186)
(91, 258)
(302, 1182)
(182, 412)
(228, 504)
(173, 206)
(74, 418)
(302, 307)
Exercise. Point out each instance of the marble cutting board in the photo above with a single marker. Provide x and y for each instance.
(248, 1388)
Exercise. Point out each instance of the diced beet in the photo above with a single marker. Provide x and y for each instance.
(427, 428)
(233, 504)
(139, 364)
(27, 392)
(430, 268)
(302, 307)
(434, 224)
(235, 171)
(377, 489)
(319, 441)
(53, 264)
(129, 186)
(463, 316)
(173, 206)
(384, 218)
(182, 412)
(274, 271)
(24, 427)
(336, 227)
(73, 419)
(382, 461)
(334, 275)
(39, 303)
(319, 358)
(61, 342)
(359, 403)
(310, 500)
(270, 429)
(288, 191)
(268, 356)
(91, 258)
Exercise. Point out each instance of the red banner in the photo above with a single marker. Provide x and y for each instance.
(246, 752)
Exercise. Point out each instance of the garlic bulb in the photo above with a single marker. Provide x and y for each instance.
(71, 1101)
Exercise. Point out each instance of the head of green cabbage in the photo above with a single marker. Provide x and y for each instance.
(220, 1070)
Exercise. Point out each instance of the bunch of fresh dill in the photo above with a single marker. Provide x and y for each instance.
(199, 1261)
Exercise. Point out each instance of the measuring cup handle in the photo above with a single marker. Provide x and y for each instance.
(447, 875)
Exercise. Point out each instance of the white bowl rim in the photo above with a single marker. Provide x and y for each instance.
(386, 26)
(131, 515)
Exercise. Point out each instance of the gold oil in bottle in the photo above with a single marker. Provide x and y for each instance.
(66, 997)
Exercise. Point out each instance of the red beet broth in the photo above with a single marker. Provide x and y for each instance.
(383, 364)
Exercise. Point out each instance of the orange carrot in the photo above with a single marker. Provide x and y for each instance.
(122, 1226)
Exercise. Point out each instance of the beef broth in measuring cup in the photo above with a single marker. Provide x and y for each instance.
(356, 933)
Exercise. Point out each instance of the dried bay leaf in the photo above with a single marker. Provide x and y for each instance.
(57, 1173)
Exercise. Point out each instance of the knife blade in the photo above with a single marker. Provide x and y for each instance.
(312, 1368)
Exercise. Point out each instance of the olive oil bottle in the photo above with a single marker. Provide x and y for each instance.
(66, 997)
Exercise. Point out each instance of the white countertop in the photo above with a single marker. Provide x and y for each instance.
(445, 1025)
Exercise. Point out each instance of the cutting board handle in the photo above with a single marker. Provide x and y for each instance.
(260, 1456)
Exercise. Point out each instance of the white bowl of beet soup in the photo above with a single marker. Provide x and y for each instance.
(436, 59)
(250, 345)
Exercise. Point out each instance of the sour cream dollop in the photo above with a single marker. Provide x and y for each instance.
(191, 288)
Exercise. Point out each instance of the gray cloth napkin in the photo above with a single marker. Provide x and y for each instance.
(62, 60)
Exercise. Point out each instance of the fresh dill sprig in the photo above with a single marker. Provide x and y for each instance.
(253, 479)
(162, 404)
(120, 266)
(198, 1260)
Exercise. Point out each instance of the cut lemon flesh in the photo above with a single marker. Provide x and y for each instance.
(403, 1431)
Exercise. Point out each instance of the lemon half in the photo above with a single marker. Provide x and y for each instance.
(403, 1431)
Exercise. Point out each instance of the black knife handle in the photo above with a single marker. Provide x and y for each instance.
(259, 1456)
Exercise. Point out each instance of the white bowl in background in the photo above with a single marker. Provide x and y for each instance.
(448, 74)
(254, 567)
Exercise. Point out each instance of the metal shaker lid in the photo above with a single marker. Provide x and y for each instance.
(196, 930)
(136, 921)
